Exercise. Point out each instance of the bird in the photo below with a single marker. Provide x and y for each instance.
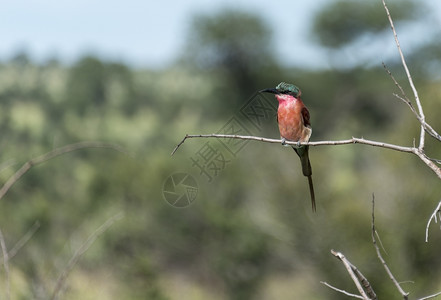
(294, 125)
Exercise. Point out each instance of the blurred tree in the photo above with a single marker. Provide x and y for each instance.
(21, 58)
(120, 88)
(342, 22)
(237, 46)
(93, 84)
(86, 85)
(236, 41)
(249, 230)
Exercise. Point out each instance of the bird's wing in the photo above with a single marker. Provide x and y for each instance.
(305, 117)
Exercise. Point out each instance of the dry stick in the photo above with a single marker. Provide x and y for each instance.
(430, 296)
(23, 240)
(433, 216)
(341, 291)
(278, 141)
(420, 114)
(6, 265)
(409, 77)
(428, 161)
(360, 281)
(352, 270)
(406, 100)
(52, 154)
(380, 257)
(366, 285)
(83, 248)
(429, 129)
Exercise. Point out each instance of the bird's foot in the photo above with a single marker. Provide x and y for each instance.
(297, 145)
(283, 141)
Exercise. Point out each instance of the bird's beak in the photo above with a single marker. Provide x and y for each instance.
(272, 91)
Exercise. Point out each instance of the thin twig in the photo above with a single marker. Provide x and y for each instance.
(83, 248)
(50, 155)
(380, 257)
(351, 270)
(381, 243)
(23, 240)
(429, 129)
(433, 216)
(406, 100)
(341, 291)
(6, 265)
(409, 77)
(430, 296)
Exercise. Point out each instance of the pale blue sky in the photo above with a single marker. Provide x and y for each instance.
(147, 33)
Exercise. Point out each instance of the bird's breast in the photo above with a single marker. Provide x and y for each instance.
(291, 125)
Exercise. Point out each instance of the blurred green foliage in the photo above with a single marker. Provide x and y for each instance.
(250, 234)
(343, 21)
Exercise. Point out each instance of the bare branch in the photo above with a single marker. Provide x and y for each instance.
(409, 77)
(420, 153)
(362, 284)
(50, 155)
(356, 275)
(278, 141)
(6, 265)
(406, 100)
(429, 129)
(380, 257)
(366, 285)
(433, 216)
(84, 247)
(23, 240)
(341, 291)
(428, 161)
(430, 296)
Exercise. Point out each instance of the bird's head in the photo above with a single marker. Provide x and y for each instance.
(284, 91)
(284, 88)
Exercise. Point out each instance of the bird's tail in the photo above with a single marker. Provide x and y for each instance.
(311, 192)
(303, 153)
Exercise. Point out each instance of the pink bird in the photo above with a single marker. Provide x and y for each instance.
(295, 125)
